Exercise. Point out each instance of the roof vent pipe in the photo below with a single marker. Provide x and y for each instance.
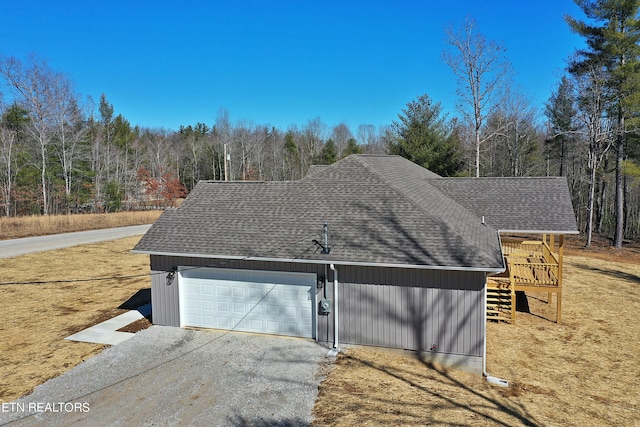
(325, 234)
(326, 249)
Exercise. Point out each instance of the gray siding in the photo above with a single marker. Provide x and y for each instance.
(411, 309)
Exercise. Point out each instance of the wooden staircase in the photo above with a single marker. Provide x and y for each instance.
(501, 299)
(531, 266)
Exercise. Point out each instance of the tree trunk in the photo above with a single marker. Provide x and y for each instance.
(43, 176)
(590, 204)
(600, 210)
(619, 231)
(477, 153)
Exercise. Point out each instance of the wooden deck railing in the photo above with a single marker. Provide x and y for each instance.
(531, 266)
(548, 254)
(533, 274)
(531, 263)
(519, 247)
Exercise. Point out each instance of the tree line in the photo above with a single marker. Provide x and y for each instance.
(61, 153)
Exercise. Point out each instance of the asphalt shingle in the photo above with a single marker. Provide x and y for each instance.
(381, 210)
(524, 204)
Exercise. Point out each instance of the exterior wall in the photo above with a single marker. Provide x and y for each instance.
(438, 313)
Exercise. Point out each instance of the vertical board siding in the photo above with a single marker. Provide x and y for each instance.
(411, 309)
(164, 299)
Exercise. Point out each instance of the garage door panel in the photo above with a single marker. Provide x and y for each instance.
(291, 328)
(254, 301)
(272, 310)
(274, 295)
(290, 312)
(256, 293)
(273, 327)
(290, 295)
(192, 303)
(225, 322)
(239, 292)
(223, 290)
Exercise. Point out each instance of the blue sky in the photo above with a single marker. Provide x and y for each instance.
(163, 64)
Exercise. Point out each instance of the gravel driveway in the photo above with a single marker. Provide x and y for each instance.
(15, 247)
(173, 376)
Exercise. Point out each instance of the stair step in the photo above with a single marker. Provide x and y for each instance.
(499, 300)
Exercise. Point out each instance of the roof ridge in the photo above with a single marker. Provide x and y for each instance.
(461, 178)
(417, 204)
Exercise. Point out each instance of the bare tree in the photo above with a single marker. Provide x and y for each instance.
(271, 154)
(37, 88)
(69, 132)
(312, 138)
(159, 150)
(221, 141)
(598, 128)
(8, 139)
(341, 135)
(366, 134)
(481, 69)
(513, 139)
(195, 138)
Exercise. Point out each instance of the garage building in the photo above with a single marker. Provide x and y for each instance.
(408, 254)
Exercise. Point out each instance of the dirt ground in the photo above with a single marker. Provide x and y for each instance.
(582, 372)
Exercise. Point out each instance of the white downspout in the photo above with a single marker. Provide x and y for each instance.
(335, 306)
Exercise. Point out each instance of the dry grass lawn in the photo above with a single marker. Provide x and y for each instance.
(13, 228)
(35, 319)
(584, 372)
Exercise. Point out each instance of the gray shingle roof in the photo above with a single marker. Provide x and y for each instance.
(381, 210)
(531, 204)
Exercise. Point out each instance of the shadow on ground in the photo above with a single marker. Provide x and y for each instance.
(612, 273)
(240, 421)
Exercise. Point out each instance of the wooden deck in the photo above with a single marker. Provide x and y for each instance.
(532, 266)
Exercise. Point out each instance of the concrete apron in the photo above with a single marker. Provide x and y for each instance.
(107, 331)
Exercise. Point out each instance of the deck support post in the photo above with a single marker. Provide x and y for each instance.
(513, 302)
(559, 294)
(551, 246)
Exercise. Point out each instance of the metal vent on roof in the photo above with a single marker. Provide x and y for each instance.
(326, 249)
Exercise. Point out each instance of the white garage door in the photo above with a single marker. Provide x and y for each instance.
(268, 302)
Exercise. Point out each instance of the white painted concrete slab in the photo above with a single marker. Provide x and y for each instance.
(107, 331)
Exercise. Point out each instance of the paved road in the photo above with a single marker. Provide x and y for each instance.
(16, 247)
(172, 376)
